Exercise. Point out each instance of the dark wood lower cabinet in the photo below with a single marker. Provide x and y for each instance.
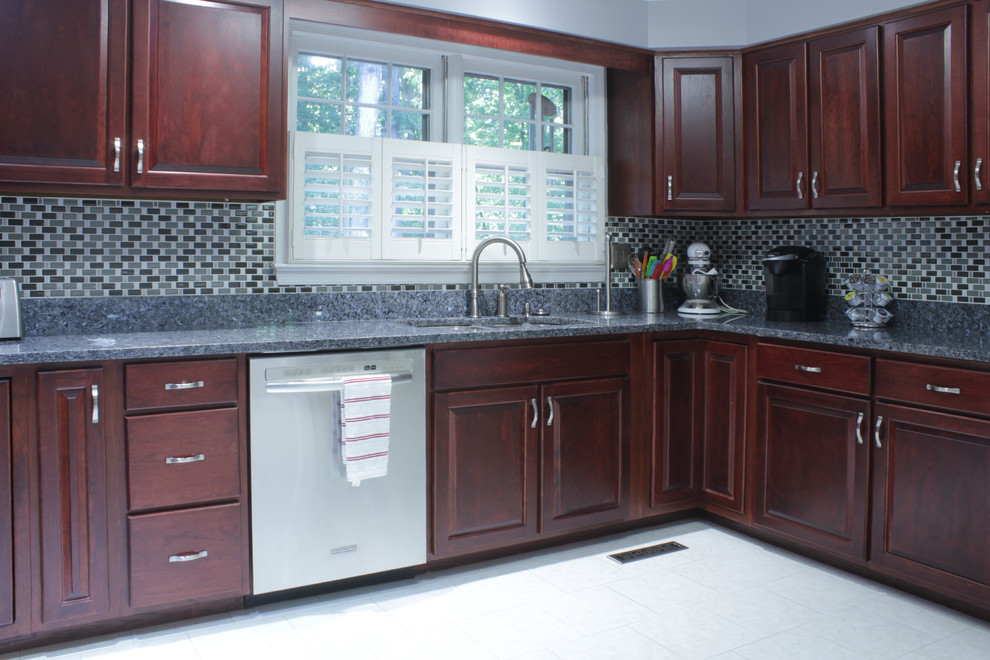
(812, 467)
(723, 439)
(73, 496)
(931, 497)
(6, 513)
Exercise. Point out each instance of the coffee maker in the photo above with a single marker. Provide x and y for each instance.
(795, 281)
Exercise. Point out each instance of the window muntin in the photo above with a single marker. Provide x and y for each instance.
(501, 111)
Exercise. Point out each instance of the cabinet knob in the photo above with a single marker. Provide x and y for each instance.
(116, 154)
(95, 391)
(859, 429)
(550, 417)
(943, 390)
(955, 175)
(799, 185)
(179, 460)
(670, 187)
(876, 432)
(188, 556)
(536, 414)
(976, 174)
(140, 163)
(814, 184)
(185, 385)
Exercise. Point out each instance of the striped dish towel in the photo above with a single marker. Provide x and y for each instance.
(365, 402)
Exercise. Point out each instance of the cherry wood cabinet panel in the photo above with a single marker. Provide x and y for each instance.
(485, 466)
(931, 490)
(585, 451)
(630, 129)
(698, 147)
(207, 98)
(182, 458)
(678, 389)
(979, 97)
(158, 385)
(63, 88)
(184, 555)
(483, 366)
(844, 121)
(806, 366)
(812, 467)
(73, 496)
(776, 108)
(723, 439)
(6, 513)
(964, 390)
(925, 100)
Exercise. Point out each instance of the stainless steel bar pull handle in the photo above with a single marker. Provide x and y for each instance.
(814, 184)
(976, 174)
(188, 556)
(876, 432)
(116, 154)
(955, 175)
(185, 385)
(810, 370)
(550, 417)
(943, 390)
(140, 163)
(178, 460)
(859, 429)
(536, 413)
(95, 391)
(670, 187)
(800, 185)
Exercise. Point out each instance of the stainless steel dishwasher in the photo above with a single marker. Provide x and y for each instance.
(309, 525)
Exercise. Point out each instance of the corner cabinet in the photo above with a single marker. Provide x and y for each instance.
(205, 90)
(528, 441)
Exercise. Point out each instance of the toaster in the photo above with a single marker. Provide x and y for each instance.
(11, 324)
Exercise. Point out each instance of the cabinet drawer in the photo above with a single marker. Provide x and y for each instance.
(805, 366)
(928, 385)
(180, 384)
(507, 365)
(185, 555)
(182, 458)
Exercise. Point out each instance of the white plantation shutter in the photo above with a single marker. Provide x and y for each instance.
(422, 195)
(572, 208)
(501, 188)
(334, 199)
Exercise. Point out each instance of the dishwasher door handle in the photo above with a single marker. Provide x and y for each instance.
(322, 384)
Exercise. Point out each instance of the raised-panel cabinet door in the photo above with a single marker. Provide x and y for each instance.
(931, 499)
(63, 89)
(585, 453)
(678, 386)
(485, 468)
(925, 117)
(812, 461)
(699, 143)
(723, 438)
(776, 108)
(6, 513)
(980, 101)
(844, 122)
(207, 95)
(73, 496)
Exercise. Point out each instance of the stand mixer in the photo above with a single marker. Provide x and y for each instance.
(700, 285)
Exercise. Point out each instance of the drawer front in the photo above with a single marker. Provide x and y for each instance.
(507, 365)
(180, 384)
(186, 555)
(964, 390)
(182, 458)
(805, 366)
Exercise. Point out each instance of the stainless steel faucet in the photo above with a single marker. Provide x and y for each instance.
(525, 281)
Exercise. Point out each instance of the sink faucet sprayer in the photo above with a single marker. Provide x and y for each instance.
(525, 281)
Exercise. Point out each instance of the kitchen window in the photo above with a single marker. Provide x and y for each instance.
(406, 153)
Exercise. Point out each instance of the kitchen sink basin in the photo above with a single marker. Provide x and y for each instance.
(469, 324)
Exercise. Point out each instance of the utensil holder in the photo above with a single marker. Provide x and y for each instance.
(650, 300)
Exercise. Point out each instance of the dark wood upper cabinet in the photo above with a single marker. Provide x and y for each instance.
(73, 496)
(844, 121)
(925, 118)
(630, 109)
(979, 95)
(697, 155)
(207, 95)
(6, 513)
(776, 111)
(63, 85)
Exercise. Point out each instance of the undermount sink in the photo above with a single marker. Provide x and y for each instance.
(469, 324)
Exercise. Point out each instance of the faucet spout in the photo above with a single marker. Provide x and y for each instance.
(525, 280)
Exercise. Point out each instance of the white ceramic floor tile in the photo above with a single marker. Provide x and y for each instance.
(762, 611)
(695, 633)
(796, 645)
(595, 609)
(616, 644)
(664, 591)
(74, 650)
(577, 574)
(869, 634)
(440, 643)
(823, 591)
(169, 648)
(920, 614)
(521, 630)
(738, 570)
(972, 643)
(322, 627)
(500, 592)
(263, 640)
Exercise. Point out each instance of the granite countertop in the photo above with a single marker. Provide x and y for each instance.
(386, 333)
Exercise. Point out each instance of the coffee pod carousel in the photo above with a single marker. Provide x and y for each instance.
(869, 297)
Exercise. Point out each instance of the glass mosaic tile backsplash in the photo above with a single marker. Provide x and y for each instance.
(97, 247)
